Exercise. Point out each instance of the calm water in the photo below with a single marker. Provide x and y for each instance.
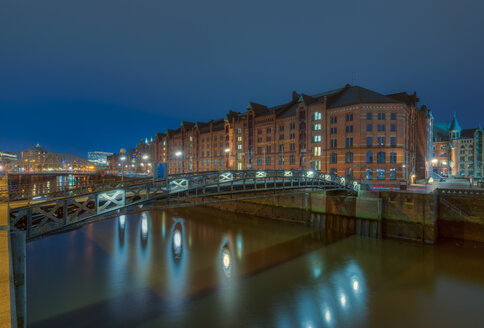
(205, 268)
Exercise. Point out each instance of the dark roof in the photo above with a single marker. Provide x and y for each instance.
(467, 133)
(351, 95)
(308, 100)
(454, 125)
(259, 109)
(187, 125)
(35, 149)
(405, 98)
(218, 125)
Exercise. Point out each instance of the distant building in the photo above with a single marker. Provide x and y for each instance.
(99, 158)
(457, 151)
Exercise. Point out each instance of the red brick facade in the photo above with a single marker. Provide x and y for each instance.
(351, 131)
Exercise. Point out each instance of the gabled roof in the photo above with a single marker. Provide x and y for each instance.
(187, 125)
(351, 95)
(468, 133)
(308, 100)
(218, 125)
(258, 109)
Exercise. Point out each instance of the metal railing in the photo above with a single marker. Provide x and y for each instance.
(47, 216)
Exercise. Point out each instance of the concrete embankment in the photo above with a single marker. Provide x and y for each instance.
(410, 216)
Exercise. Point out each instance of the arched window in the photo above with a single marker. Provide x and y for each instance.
(369, 157)
(349, 157)
(380, 174)
(349, 173)
(393, 157)
(369, 174)
(333, 158)
(381, 157)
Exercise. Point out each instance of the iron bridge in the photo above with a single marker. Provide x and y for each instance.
(45, 217)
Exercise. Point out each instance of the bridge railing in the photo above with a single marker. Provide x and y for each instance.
(42, 217)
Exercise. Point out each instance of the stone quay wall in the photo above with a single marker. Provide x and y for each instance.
(400, 215)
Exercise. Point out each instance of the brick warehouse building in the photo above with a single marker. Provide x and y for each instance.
(351, 131)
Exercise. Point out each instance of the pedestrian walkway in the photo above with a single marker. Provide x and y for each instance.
(5, 299)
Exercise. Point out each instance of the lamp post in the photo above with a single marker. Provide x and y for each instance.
(227, 151)
(122, 158)
(179, 154)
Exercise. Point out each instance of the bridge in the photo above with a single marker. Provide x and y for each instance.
(73, 208)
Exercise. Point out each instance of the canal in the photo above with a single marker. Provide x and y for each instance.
(201, 267)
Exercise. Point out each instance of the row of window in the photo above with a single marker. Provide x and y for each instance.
(381, 157)
(380, 173)
(268, 160)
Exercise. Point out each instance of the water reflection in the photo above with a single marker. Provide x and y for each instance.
(177, 242)
(144, 230)
(233, 273)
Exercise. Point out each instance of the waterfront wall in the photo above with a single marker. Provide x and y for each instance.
(401, 215)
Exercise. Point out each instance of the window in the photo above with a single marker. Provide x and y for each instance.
(334, 130)
(349, 142)
(368, 141)
(317, 138)
(333, 158)
(221, 162)
(268, 160)
(292, 147)
(259, 150)
(393, 116)
(349, 117)
(381, 116)
(292, 159)
(281, 128)
(268, 149)
(259, 131)
(381, 157)
(349, 128)
(368, 116)
(333, 143)
(317, 127)
(369, 157)
(281, 137)
(393, 127)
(239, 147)
(369, 174)
(292, 126)
(393, 174)
(215, 162)
(208, 162)
(268, 138)
(281, 148)
(334, 119)
(349, 173)
(208, 154)
(259, 160)
(292, 136)
(281, 160)
(381, 141)
(333, 171)
(317, 151)
(239, 130)
(316, 116)
(268, 130)
(393, 157)
(259, 139)
(393, 141)
(369, 127)
(349, 157)
(380, 174)
(381, 127)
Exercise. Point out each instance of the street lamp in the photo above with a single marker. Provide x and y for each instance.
(179, 154)
(122, 158)
(227, 151)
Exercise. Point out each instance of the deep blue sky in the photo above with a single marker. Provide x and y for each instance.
(102, 74)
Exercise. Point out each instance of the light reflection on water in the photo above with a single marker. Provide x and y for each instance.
(192, 268)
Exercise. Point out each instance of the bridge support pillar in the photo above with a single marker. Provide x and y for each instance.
(18, 246)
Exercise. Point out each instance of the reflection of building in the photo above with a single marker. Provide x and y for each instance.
(457, 151)
(99, 158)
(351, 131)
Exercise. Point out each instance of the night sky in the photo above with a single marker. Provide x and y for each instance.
(87, 75)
